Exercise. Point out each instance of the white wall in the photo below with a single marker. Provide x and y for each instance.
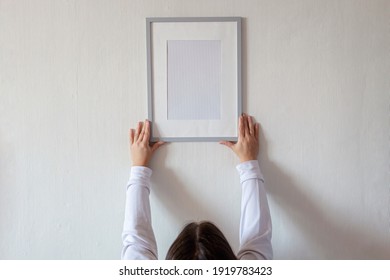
(73, 80)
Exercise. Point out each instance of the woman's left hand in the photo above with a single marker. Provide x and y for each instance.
(140, 148)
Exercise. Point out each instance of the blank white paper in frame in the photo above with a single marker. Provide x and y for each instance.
(194, 78)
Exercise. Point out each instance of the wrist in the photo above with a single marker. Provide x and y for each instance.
(144, 163)
(247, 158)
(140, 164)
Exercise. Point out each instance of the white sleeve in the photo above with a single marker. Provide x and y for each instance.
(255, 223)
(138, 237)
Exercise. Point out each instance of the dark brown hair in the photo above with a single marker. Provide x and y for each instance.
(200, 241)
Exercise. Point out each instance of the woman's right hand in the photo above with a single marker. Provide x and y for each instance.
(247, 146)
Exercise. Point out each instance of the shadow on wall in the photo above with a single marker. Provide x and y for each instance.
(172, 192)
(2, 186)
(5, 206)
(329, 235)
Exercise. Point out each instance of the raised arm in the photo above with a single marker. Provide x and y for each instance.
(255, 223)
(137, 236)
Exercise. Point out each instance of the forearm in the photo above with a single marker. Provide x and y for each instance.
(138, 237)
(255, 223)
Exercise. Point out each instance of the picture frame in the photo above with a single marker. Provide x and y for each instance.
(194, 78)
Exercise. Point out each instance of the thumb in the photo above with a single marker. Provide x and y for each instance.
(227, 144)
(157, 145)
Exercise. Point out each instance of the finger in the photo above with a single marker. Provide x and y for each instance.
(138, 131)
(257, 128)
(241, 129)
(227, 144)
(251, 126)
(147, 131)
(157, 145)
(141, 135)
(245, 125)
(131, 133)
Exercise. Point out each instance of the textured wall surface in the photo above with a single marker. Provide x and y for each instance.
(73, 80)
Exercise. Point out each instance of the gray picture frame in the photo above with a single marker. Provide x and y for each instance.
(149, 22)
